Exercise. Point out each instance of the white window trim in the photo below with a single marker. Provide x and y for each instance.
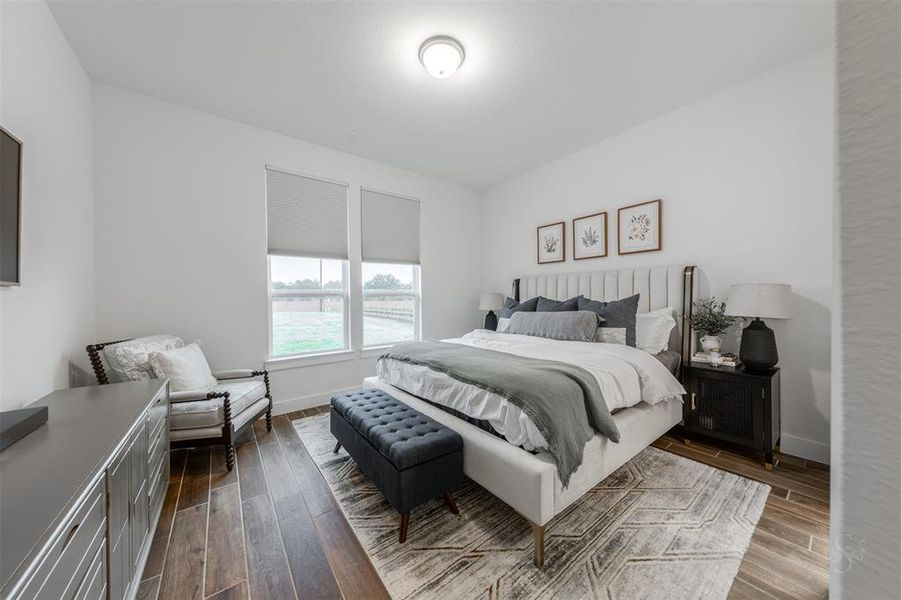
(416, 293)
(288, 361)
(297, 361)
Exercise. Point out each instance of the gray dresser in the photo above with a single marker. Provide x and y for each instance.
(80, 496)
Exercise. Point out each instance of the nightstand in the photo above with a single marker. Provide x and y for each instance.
(736, 406)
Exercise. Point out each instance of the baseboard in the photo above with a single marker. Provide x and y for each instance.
(303, 402)
(809, 449)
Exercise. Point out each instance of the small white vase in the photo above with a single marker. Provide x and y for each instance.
(712, 344)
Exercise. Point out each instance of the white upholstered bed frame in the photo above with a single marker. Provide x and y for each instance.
(528, 482)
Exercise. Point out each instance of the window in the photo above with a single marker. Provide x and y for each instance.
(306, 220)
(309, 301)
(390, 303)
(390, 248)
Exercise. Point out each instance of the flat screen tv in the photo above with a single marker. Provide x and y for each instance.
(10, 208)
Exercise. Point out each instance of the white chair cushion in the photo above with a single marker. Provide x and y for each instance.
(130, 360)
(209, 413)
(186, 368)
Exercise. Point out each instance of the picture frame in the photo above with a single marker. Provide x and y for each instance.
(551, 243)
(640, 227)
(590, 236)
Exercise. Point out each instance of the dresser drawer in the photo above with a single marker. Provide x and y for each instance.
(64, 565)
(157, 413)
(158, 484)
(158, 447)
(93, 587)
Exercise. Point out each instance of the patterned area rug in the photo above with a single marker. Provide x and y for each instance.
(662, 526)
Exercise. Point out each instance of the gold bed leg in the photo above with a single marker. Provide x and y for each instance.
(538, 545)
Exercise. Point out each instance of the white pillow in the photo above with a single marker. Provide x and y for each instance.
(652, 330)
(503, 324)
(186, 368)
(130, 360)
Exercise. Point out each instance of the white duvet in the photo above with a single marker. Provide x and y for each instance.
(626, 375)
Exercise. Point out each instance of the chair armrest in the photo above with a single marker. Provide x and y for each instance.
(237, 374)
(191, 396)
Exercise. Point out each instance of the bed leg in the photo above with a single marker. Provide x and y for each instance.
(538, 545)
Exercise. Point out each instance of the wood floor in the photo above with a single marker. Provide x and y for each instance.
(271, 528)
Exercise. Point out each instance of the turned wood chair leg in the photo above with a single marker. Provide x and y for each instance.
(404, 526)
(229, 457)
(538, 545)
(269, 417)
(449, 500)
(337, 447)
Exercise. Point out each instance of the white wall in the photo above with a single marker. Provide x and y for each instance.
(181, 235)
(865, 519)
(746, 178)
(45, 100)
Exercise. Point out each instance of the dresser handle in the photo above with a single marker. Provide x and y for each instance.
(694, 405)
(69, 537)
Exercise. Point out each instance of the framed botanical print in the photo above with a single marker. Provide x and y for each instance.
(552, 243)
(590, 236)
(640, 227)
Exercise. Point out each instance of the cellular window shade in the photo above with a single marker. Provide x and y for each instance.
(305, 216)
(390, 228)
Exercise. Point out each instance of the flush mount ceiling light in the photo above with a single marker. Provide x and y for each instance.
(441, 56)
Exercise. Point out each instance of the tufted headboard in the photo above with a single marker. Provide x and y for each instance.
(669, 285)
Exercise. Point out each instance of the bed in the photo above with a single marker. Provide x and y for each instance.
(525, 476)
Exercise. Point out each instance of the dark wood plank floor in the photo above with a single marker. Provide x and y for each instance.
(272, 529)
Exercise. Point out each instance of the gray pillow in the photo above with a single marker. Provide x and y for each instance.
(548, 305)
(570, 326)
(616, 313)
(511, 306)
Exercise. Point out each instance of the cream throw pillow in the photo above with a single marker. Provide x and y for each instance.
(130, 360)
(186, 368)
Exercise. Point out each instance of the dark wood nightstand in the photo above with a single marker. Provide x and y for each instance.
(736, 406)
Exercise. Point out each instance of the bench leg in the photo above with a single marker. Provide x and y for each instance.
(449, 500)
(337, 447)
(404, 526)
(538, 545)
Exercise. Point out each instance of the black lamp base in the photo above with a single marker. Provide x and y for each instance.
(491, 321)
(758, 347)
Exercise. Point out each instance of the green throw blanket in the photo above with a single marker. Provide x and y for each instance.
(564, 401)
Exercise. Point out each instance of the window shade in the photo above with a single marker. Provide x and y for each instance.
(305, 216)
(390, 228)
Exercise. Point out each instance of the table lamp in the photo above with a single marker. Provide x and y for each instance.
(755, 300)
(491, 302)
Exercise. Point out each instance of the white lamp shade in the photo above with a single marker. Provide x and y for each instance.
(491, 301)
(764, 300)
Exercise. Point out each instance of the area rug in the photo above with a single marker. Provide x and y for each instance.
(661, 526)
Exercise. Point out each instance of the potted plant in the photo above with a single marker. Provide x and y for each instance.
(709, 318)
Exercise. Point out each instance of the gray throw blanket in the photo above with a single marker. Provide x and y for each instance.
(564, 401)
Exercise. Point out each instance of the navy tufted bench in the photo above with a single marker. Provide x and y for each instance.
(408, 456)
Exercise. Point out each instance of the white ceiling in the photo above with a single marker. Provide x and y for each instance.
(540, 80)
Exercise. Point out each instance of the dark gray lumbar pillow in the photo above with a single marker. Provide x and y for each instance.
(548, 305)
(511, 306)
(570, 326)
(616, 313)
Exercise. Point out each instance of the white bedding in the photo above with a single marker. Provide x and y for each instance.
(626, 376)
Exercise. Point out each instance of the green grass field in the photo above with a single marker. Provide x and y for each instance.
(299, 332)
